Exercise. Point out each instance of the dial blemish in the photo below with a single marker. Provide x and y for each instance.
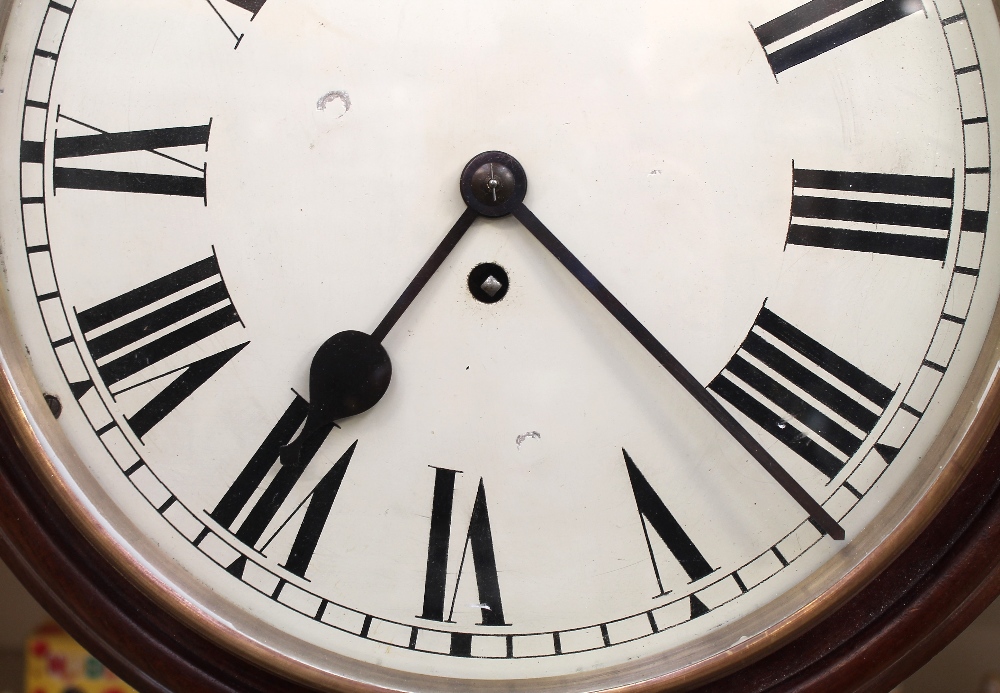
(55, 406)
(337, 102)
(525, 436)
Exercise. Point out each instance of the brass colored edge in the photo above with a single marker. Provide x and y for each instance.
(19, 414)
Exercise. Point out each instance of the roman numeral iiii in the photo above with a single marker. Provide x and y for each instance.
(825, 383)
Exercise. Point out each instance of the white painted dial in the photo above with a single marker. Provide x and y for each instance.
(792, 199)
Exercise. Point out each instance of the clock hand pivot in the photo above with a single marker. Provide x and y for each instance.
(493, 183)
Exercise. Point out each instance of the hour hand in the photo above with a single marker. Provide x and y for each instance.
(349, 375)
(351, 371)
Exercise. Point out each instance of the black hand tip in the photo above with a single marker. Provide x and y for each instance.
(349, 375)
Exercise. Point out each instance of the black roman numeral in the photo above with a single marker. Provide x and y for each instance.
(106, 143)
(771, 342)
(479, 538)
(318, 504)
(654, 513)
(251, 6)
(121, 350)
(915, 213)
(826, 39)
(277, 491)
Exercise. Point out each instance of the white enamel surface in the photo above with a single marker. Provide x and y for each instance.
(659, 148)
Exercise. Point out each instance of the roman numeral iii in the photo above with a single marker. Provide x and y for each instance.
(793, 373)
(479, 538)
(783, 55)
(653, 513)
(102, 143)
(117, 335)
(916, 203)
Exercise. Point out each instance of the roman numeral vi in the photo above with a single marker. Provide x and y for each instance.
(479, 538)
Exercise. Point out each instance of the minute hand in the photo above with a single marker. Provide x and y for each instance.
(659, 352)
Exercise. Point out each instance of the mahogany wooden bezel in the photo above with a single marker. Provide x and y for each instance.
(925, 598)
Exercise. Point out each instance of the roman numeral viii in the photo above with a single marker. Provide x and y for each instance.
(129, 334)
(102, 143)
(818, 42)
(653, 513)
(267, 499)
(479, 538)
(801, 378)
(913, 201)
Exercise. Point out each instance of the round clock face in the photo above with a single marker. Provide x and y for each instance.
(697, 337)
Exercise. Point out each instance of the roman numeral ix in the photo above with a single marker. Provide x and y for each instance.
(824, 379)
(819, 195)
(249, 486)
(479, 538)
(102, 143)
(653, 513)
(117, 335)
(783, 55)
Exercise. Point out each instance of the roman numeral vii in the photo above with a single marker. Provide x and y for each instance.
(129, 334)
(268, 498)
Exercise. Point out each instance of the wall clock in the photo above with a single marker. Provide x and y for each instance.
(506, 347)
